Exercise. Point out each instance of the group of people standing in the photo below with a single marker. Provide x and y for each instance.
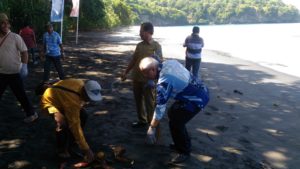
(14, 57)
(154, 82)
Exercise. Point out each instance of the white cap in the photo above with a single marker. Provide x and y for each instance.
(93, 89)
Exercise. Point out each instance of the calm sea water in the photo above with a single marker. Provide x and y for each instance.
(276, 46)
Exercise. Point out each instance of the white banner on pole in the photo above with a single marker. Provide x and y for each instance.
(75, 9)
(57, 11)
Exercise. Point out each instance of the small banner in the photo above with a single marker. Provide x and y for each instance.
(75, 8)
(57, 11)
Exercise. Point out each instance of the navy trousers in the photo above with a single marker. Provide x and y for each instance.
(56, 61)
(15, 82)
(178, 118)
(193, 64)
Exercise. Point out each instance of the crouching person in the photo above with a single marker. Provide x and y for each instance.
(64, 101)
(190, 96)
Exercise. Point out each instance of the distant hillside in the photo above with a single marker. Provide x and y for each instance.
(99, 14)
(178, 12)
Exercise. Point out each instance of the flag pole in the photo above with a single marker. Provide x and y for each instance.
(62, 20)
(77, 23)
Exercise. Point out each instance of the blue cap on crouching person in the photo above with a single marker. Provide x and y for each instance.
(93, 89)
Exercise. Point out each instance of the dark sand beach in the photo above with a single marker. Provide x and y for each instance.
(251, 122)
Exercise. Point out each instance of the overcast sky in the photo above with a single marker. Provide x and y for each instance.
(293, 2)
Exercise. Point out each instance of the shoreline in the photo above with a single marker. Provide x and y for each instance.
(220, 54)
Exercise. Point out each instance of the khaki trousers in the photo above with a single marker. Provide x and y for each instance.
(145, 101)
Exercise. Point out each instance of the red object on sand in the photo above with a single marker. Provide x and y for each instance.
(62, 165)
(81, 164)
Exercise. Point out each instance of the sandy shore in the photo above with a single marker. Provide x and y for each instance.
(251, 122)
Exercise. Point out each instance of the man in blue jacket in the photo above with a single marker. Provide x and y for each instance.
(190, 95)
(53, 49)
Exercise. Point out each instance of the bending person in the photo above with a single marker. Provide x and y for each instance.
(191, 96)
(64, 101)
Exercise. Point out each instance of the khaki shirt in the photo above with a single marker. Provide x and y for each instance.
(69, 104)
(10, 58)
(142, 50)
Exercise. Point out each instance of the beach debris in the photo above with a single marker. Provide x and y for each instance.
(237, 91)
(246, 143)
(265, 165)
(115, 85)
(81, 164)
(107, 159)
(213, 108)
(222, 128)
(245, 129)
(63, 165)
(207, 113)
(119, 152)
(211, 139)
(100, 155)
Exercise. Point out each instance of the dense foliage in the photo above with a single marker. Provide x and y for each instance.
(98, 14)
(94, 14)
(214, 11)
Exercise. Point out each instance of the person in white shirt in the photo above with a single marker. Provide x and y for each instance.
(194, 44)
(13, 66)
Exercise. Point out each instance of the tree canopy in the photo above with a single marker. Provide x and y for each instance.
(99, 14)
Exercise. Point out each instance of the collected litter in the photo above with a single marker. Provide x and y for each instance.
(238, 92)
(114, 156)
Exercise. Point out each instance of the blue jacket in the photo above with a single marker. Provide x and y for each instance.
(52, 42)
(175, 81)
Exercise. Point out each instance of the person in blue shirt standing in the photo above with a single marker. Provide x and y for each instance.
(190, 95)
(53, 51)
(194, 44)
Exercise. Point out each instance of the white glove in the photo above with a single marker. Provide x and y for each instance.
(151, 139)
(24, 70)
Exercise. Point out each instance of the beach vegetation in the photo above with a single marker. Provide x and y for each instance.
(106, 14)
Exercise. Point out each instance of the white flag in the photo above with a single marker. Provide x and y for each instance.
(57, 11)
(75, 8)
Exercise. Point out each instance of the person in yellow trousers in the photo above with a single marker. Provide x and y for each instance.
(64, 101)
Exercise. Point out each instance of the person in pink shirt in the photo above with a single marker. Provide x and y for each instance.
(28, 36)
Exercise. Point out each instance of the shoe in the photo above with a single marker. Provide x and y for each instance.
(64, 155)
(179, 158)
(31, 118)
(138, 124)
(74, 150)
(172, 147)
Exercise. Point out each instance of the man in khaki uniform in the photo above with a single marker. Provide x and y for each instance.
(13, 66)
(142, 91)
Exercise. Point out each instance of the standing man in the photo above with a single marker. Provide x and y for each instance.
(143, 92)
(64, 101)
(54, 52)
(190, 96)
(194, 44)
(28, 36)
(13, 66)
